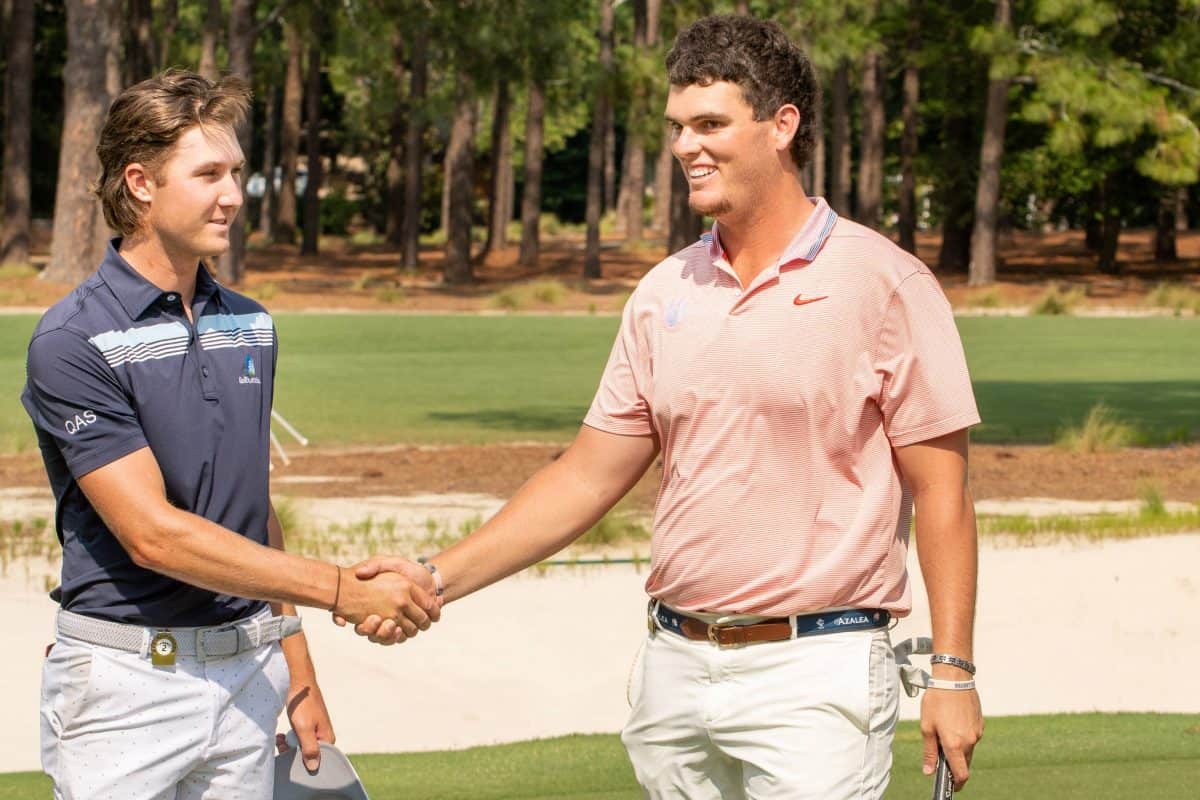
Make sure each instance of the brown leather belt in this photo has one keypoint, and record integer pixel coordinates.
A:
(776, 629)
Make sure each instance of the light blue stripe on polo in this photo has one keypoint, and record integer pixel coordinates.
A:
(147, 335)
(830, 218)
(231, 323)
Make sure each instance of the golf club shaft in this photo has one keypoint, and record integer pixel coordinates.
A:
(943, 780)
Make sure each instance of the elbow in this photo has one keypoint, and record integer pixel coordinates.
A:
(148, 545)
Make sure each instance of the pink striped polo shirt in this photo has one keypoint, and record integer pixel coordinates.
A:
(777, 408)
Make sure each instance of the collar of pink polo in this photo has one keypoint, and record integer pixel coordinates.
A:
(803, 248)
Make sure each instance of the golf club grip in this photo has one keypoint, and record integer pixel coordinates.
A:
(943, 780)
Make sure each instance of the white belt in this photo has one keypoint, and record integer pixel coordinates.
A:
(218, 641)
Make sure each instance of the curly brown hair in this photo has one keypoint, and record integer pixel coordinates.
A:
(145, 122)
(759, 57)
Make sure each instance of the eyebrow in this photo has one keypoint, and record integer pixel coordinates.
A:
(217, 164)
(703, 115)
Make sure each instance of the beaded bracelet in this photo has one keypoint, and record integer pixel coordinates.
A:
(954, 661)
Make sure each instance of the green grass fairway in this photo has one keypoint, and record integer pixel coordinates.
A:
(1065, 757)
(383, 378)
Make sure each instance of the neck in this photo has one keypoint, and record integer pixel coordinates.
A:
(755, 239)
(154, 261)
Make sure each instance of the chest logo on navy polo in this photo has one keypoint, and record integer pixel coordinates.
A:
(249, 373)
(674, 313)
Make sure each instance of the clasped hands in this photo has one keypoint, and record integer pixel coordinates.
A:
(389, 599)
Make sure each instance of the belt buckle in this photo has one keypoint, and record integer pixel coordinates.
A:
(714, 631)
(202, 653)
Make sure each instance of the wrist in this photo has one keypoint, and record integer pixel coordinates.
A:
(949, 672)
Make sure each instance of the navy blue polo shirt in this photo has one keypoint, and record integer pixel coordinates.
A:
(116, 366)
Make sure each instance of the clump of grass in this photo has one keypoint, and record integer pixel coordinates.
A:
(15, 270)
(1153, 505)
(361, 283)
(1056, 302)
(1091, 526)
(989, 298)
(1174, 297)
(511, 299)
(391, 294)
(615, 527)
(548, 291)
(28, 540)
(365, 238)
(264, 291)
(1101, 431)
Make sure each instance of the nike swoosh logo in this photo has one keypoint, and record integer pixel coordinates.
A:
(801, 300)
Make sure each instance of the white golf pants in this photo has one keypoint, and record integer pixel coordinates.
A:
(114, 727)
(806, 719)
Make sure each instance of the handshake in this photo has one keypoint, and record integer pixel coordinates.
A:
(389, 599)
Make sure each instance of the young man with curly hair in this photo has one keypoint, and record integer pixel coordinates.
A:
(803, 381)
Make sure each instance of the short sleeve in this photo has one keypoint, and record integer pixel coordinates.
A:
(926, 388)
(620, 405)
(74, 398)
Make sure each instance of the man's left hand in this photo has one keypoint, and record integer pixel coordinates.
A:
(310, 720)
(955, 719)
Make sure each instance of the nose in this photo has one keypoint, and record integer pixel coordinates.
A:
(685, 143)
(231, 192)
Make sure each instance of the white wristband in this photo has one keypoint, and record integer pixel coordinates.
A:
(953, 686)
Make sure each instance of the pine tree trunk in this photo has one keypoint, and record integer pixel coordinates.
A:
(242, 34)
(208, 40)
(499, 208)
(460, 164)
(1181, 210)
(79, 231)
(816, 185)
(685, 223)
(312, 188)
(610, 159)
(268, 216)
(663, 167)
(394, 226)
(140, 50)
(870, 166)
(987, 197)
(839, 192)
(1110, 233)
(908, 141)
(535, 152)
(1164, 233)
(633, 181)
(18, 93)
(289, 136)
(170, 23)
(601, 119)
(954, 195)
(1093, 226)
(414, 150)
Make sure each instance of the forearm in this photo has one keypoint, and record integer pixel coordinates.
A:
(196, 551)
(552, 509)
(947, 549)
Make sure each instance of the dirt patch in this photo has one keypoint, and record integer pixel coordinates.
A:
(499, 470)
(368, 278)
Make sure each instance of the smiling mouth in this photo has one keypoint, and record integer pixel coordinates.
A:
(699, 173)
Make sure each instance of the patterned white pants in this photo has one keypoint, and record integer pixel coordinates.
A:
(114, 727)
(806, 719)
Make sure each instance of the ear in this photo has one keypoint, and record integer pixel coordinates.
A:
(786, 124)
(138, 182)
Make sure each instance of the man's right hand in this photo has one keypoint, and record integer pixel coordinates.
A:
(405, 596)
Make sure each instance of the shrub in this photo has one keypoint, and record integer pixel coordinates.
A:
(1101, 431)
(549, 292)
(1055, 302)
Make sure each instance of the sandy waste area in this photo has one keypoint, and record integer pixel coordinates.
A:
(1069, 626)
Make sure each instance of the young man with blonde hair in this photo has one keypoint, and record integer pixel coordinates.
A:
(150, 387)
